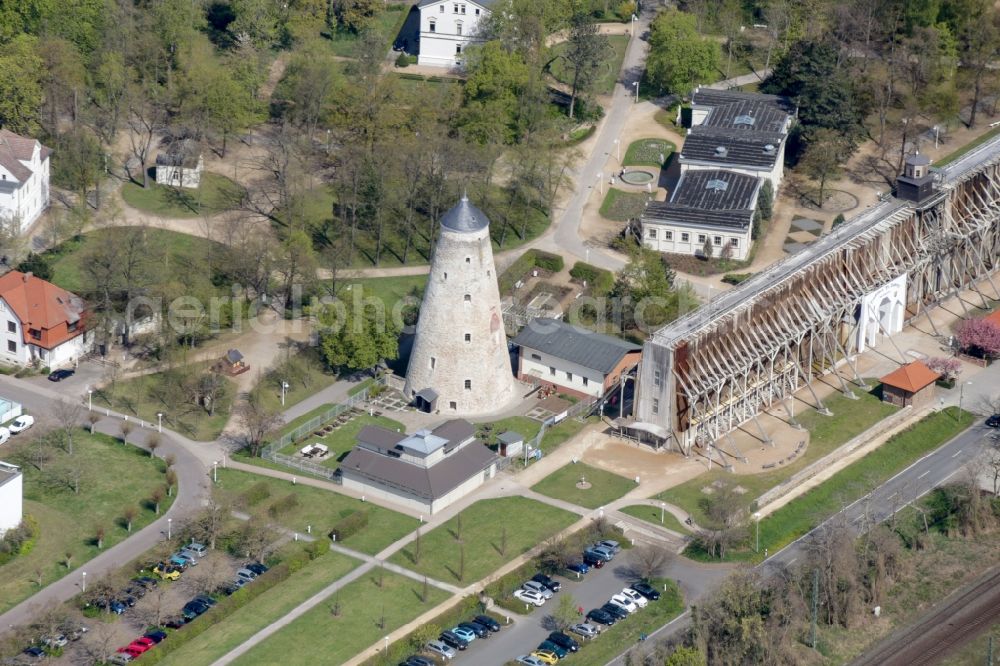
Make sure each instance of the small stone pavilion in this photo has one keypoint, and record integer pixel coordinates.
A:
(910, 385)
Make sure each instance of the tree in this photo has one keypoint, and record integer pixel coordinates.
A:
(948, 368)
(156, 497)
(153, 443)
(67, 416)
(125, 428)
(643, 295)
(707, 249)
(649, 562)
(259, 422)
(37, 265)
(823, 156)
(355, 15)
(356, 337)
(93, 418)
(686, 656)
(566, 613)
(20, 85)
(128, 514)
(146, 118)
(765, 200)
(170, 479)
(497, 78)
(256, 22)
(978, 337)
(423, 634)
(99, 532)
(679, 57)
(584, 54)
(978, 41)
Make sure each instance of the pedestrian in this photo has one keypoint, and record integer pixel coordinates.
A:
(642, 637)
(579, 610)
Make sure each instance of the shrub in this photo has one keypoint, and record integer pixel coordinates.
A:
(349, 526)
(548, 261)
(19, 540)
(411, 77)
(839, 220)
(736, 278)
(283, 505)
(625, 10)
(402, 60)
(255, 494)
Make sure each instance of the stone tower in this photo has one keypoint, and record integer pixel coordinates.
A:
(460, 363)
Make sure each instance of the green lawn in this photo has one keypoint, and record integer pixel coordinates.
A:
(622, 206)
(975, 143)
(605, 486)
(111, 477)
(290, 427)
(554, 436)
(277, 602)
(305, 373)
(414, 84)
(652, 514)
(367, 612)
(826, 433)
(646, 152)
(526, 522)
(215, 195)
(387, 22)
(343, 439)
(147, 395)
(321, 509)
(395, 292)
(605, 83)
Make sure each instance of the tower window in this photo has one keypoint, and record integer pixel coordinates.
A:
(468, 298)
(657, 378)
(656, 406)
(445, 276)
(458, 47)
(585, 381)
(468, 337)
(433, 362)
(552, 371)
(433, 26)
(453, 405)
(569, 376)
(468, 384)
(468, 260)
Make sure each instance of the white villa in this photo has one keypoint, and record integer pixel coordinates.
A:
(446, 28)
(44, 323)
(24, 179)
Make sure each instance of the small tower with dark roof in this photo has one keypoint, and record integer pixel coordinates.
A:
(460, 363)
(917, 181)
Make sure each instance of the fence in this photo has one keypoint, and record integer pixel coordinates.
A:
(583, 407)
(271, 450)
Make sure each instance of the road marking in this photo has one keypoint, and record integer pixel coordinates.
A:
(924, 474)
(792, 561)
(955, 454)
(858, 519)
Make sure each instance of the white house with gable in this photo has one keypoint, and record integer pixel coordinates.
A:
(447, 27)
(24, 179)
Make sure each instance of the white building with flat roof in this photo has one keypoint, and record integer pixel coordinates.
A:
(11, 497)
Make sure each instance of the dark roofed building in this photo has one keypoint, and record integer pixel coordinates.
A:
(725, 148)
(425, 471)
(573, 359)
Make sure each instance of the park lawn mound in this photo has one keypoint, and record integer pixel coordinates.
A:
(652, 515)
(599, 487)
(801, 515)
(111, 478)
(482, 538)
(321, 509)
(648, 152)
(347, 622)
(215, 195)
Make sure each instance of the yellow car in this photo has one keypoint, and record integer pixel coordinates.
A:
(546, 656)
(166, 571)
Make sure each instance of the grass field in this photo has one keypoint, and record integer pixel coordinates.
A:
(646, 152)
(975, 143)
(343, 439)
(215, 195)
(310, 375)
(394, 292)
(652, 514)
(236, 628)
(850, 418)
(605, 83)
(368, 612)
(321, 509)
(112, 477)
(605, 486)
(526, 523)
(387, 22)
(147, 395)
(554, 436)
(621, 206)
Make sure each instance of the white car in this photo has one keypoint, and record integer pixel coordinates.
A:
(639, 600)
(21, 423)
(530, 660)
(4, 435)
(535, 586)
(529, 597)
(624, 602)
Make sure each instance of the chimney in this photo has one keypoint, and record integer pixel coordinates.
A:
(27, 276)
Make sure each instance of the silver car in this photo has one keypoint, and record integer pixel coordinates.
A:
(535, 586)
(585, 629)
(441, 650)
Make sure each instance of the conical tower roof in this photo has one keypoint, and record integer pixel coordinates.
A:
(464, 217)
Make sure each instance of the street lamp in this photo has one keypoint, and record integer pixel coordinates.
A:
(600, 182)
(961, 394)
(284, 387)
(159, 421)
(663, 508)
(386, 644)
(169, 535)
(90, 400)
(618, 150)
(83, 584)
(215, 471)
(636, 84)
(756, 516)
(634, 17)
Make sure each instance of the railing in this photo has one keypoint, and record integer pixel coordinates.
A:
(582, 407)
(271, 450)
(304, 466)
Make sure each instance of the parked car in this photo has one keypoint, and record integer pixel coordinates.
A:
(120, 658)
(147, 582)
(617, 611)
(21, 423)
(479, 630)
(601, 616)
(535, 586)
(993, 421)
(197, 548)
(256, 567)
(547, 581)
(604, 552)
(529, 597)
(636, 598)
(56, 641)
(646, 590)
(131, 651)
(137, 591)
(190, 556)
(4, 435)
(205, 599)
(549, 646)
(488, 622)
(34, 652)
(417, 660)
(564, 641)
(167, 571)
(156, 636)
(117, 607)
(624, 601)
(228, 589)
(530, 660)
(59, 375)
(175, 622)
(179, 560)
(578, 567)
(546, 656)
(144, 643)
(440, 649)
(193, 609)
(466, 635)
(451, 639)
(246, 575)
(129, 601)
(610, 544)
(586, 630)
(592, 559)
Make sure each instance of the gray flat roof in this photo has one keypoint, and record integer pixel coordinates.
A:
(747, 115)
(455, 431)
(741, 148)
(712, 97)
(574, 344)
(710, 197)
(381, 437)
(8, 472)
(426, 482)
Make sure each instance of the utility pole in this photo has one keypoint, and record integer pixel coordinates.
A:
(815, 608)
(989, 647)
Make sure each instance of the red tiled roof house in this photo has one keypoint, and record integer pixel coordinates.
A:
(41, 323)
(912, 384)
(24, 179)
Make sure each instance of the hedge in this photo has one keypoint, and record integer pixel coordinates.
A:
(256, 493)
(736, 278)
(283, 505)
(349, 526)
(548, 261)
(598, 280)
(523, 264)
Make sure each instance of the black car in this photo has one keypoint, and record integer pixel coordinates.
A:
(147, 582)
(256, 567)
(646, 590)
(616, 610)
(479, 630)
(564, 641)
(453, 640)
(129, 600)
(417, 660)
(175, 622)
(601, 617)
(137, 591)
(592, 560)
(487, 622)
(193, 609)
(993, 421)
(548, 582)
(228, 589)
(35, 652)
(156, 636)
(60, 375)
(205, 599)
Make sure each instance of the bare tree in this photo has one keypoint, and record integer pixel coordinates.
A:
(128, 515)
(92, 419)
(156, 497)
(99, 533)
(259, 423)
(67, 416)
(648, 561)
(153, 443)
(125, 428)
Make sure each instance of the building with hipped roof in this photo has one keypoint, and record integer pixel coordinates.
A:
(24, 180)
(426, 471)
(447, 27)
(909, 385)
(45, 324)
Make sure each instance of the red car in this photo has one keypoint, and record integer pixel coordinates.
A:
(133, 652)
(144, 643)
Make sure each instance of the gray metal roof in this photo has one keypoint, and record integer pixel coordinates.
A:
(455, 431)
(747, 115)
(426, 482)
(715, 197)
(380, 437)
(574, 344)
(8, 472)
(510, 437)
(918, 160)
(740, 148)
(464, 217)
(712, 97)
(422, 442)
